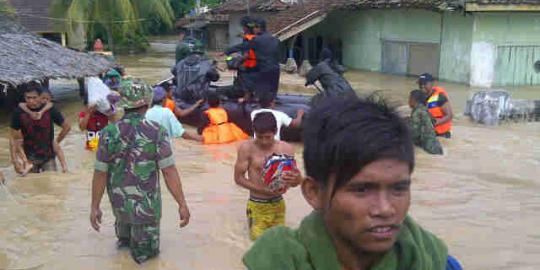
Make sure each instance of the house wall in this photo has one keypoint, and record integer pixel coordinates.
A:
(363, 32)
(218, 36)
(493, 30)
(456, 44)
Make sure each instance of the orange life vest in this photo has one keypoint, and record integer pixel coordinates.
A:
(220, 129)
(436, 110)
(251, 60)
(169, 104)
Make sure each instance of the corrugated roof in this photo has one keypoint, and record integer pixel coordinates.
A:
(254, 5)
(303, 13)
(206, 17)
(25, 57)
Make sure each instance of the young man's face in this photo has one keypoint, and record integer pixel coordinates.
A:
(427, 87)
(32, 99)
(366, 213)
(265, 139)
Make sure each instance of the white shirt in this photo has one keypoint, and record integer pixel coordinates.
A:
(282, 119)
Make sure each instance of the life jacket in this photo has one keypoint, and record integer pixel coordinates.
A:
(251, 60)
(169, 104)
(436, 111)
(220, 129)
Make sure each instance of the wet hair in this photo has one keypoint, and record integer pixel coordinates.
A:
(213, 100)
(46, 91)
(264, 122)
(157, 102)
(343, 134)
(266, 99)
(33, 87)
(418, 96)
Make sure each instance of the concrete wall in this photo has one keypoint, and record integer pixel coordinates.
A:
(218, 36)
(364, 31)
(456, 47)
(491, 30)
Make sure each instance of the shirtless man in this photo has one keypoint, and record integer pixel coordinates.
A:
(265, 208)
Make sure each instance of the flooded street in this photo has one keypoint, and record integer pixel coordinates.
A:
(481, 197)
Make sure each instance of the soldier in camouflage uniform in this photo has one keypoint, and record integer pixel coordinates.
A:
(131, 152)
(423, 132)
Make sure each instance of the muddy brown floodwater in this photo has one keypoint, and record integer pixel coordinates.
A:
(481, 197)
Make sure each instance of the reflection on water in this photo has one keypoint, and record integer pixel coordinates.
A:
(480, 197)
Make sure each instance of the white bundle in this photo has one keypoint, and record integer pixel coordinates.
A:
(97, 95)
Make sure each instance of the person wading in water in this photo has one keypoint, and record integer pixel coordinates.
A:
(38, 135)
(130, 154)
(359, 158)
(438, 105)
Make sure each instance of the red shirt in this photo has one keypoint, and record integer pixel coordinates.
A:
(96, 122)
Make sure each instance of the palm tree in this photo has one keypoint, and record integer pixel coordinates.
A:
(5, 8)
(125, 15)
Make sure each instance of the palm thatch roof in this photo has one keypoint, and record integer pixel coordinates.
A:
(25, 57)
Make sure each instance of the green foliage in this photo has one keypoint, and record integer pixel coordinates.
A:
(180, 9)
(118, 22)
(5, 8)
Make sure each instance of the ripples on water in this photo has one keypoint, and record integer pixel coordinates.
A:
(480, 197)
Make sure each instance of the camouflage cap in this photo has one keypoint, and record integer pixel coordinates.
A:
(135, 93)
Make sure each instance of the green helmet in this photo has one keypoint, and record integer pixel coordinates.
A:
(134, 94)
(196, 47)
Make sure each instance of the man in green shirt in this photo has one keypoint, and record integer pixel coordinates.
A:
(359, 158)
(422, 129)
(131, 153)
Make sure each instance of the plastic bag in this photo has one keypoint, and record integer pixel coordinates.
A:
(488, 107)
(97, 95)
(273, 171)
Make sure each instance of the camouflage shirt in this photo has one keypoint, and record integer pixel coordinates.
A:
(423, 132)
(132, 151)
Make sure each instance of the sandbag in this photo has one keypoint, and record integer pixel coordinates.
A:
(97, 95)
(488, 107)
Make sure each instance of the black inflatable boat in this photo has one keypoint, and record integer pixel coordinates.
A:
(240, 113)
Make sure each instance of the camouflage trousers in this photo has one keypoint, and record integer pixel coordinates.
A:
(142, 239)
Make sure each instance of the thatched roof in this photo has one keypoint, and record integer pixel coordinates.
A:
(25, 57)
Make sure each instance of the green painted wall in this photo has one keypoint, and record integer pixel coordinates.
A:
(493, 30)
(471, 45)
(363, 31)
(455, 64)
